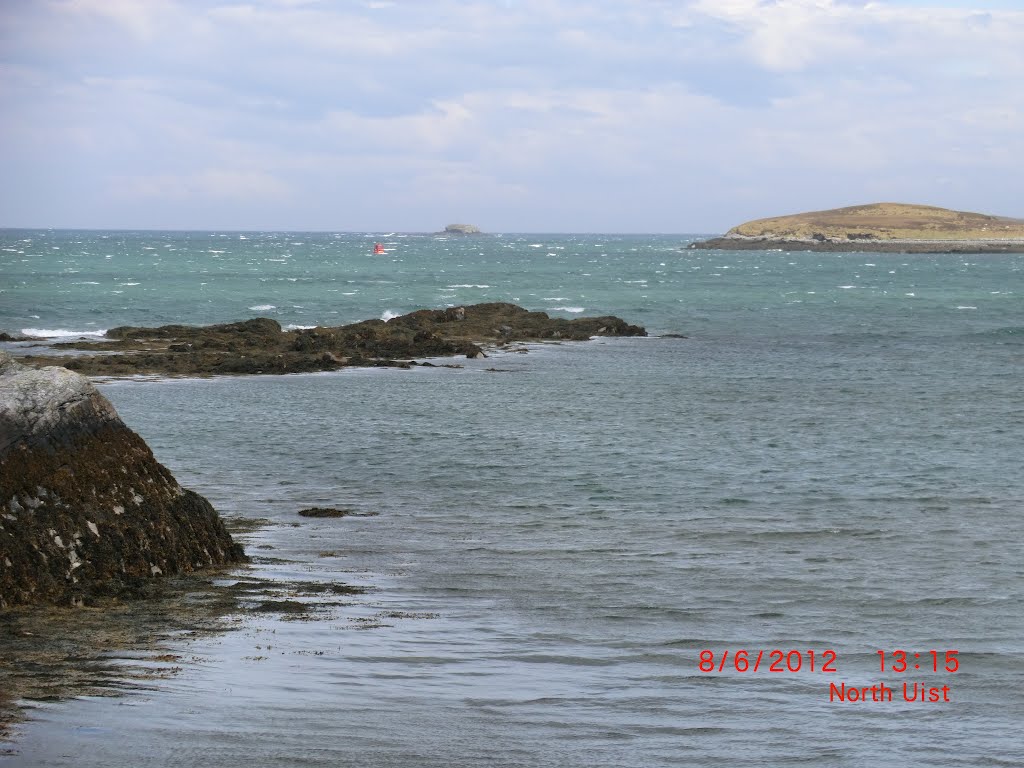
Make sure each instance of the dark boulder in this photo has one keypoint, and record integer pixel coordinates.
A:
(85, 508)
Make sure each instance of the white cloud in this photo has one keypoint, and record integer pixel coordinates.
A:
(313, 29)
(146, 20)
(795, 35)
(211, 185)
(603, 112)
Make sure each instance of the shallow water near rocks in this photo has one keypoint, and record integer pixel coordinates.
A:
(557, 542)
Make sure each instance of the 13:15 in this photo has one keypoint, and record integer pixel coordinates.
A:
(901, 661)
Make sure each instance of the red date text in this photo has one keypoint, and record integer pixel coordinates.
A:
(775, 660)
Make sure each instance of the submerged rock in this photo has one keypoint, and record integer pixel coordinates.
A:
(333, 512)
(85, 508)
(324, 512)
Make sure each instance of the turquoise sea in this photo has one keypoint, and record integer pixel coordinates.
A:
(829, 461)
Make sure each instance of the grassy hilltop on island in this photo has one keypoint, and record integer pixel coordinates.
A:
(878, 226)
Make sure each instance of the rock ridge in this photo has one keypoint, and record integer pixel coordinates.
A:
(260, 346)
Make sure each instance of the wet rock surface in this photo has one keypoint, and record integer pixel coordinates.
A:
(324, 512)
(86, 511)
(260, 346)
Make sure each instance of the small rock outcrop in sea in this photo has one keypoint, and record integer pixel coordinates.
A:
(461, 229)
(324, 512)
(877, 228)
(85, 509)
(260, 346)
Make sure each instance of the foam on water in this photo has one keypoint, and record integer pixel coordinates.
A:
(60, 333)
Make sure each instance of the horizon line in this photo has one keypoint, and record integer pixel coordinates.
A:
(365, 232)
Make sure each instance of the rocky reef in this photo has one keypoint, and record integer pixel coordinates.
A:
(260, 346)
(86, 511)
(877, 228)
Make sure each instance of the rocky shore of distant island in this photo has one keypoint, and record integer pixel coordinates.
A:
(876, 228)
(261, 346)
(858, 245)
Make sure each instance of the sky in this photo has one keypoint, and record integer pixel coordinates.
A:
(646, 116)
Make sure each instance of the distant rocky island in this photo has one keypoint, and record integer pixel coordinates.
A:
(261, 346)
(877, 228)
(462, 229)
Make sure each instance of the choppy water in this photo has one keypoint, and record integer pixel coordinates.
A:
(830, 461)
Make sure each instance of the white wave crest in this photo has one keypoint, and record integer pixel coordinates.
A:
(574, 310)
(389, 315)
(294, 327)
(262, 307)
(60, 333)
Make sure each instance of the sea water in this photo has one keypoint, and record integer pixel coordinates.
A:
(830, 461)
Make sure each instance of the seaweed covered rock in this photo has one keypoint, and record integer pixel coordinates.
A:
(85, 508)
(380, 340)
(501, 321)
(246, 332)
(260, 346)
(324, 512)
